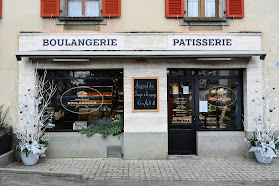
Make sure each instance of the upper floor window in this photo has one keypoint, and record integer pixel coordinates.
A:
(201, 8)
(84, 8)
(81, 10)
(205, 10)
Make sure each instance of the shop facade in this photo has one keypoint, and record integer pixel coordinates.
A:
(179, 94)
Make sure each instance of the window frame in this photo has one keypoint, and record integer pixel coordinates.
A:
(219, 20)
(193, 75)
(65, 19)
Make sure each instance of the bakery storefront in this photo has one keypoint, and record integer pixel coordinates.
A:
(179, 94)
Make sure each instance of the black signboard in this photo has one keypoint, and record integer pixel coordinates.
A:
(145, 94)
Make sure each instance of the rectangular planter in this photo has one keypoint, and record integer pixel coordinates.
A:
(6, 143)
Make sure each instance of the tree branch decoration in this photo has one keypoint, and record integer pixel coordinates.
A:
(4, 129)
(34, 116)
(265, 137)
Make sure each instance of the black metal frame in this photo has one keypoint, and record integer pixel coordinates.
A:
(194, 79)
(182, 135)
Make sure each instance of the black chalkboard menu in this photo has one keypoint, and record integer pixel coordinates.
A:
(145, 94)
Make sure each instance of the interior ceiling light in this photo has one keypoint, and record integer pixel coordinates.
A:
(214, 59)
(69, 60)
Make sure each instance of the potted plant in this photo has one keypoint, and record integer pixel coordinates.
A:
(5, 131)
(31, 146)
(264, 140)
(31, 141)
(265, 145)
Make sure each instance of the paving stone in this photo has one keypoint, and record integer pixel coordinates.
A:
(187, 169)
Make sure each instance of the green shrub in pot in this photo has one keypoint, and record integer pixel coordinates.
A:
(5, 131)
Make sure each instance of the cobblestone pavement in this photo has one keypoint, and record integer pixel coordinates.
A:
(194, 169)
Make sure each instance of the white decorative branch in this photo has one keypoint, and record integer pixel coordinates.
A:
(33, 112)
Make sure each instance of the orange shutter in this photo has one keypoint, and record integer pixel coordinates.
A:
(111, 8)
(0, 8)
(174, 8)
(235, 8)
(50, 8)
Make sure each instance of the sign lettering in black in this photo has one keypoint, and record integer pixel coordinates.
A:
(145, 94)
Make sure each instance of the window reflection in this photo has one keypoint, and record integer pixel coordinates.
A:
(180, 102)
(218, 72)
(81, 74)
(85, 96)
(221, 97)
(181, 72)
(217, 99)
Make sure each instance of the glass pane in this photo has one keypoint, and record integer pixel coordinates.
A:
(103, 73)
(180, 105)
(220, 98)
(93, 74)
(92, 8)
(210, 7)
(208, 72)
(74, 9)
(228, 72)
(193, 8)
(81, 74)
(85, 104)
(181, 72)
(218, 72)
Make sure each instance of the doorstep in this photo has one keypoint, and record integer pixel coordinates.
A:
(181, 157)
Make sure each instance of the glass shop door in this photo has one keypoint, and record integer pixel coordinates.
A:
(181, 127)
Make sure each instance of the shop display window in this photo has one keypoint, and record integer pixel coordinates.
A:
(85, 97)
(220, 96)
(205, 99)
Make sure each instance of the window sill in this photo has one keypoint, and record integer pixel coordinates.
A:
(80, 18)
(187, 19)
(81, 21)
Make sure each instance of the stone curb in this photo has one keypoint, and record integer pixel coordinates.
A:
(44, 173)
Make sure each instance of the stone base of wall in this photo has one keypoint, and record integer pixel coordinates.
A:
(223, 144)
(7, 158)
(210, 144)
(76, 145)
(153, 145)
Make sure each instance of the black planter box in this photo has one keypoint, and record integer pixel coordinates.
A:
(5, 143)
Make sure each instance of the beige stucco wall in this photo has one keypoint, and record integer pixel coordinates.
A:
(137, 16)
